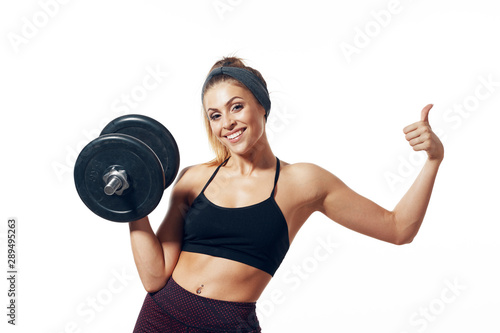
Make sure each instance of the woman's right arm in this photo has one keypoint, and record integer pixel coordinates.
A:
(156, 255)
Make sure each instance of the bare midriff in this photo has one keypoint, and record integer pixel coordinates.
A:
(219, 278)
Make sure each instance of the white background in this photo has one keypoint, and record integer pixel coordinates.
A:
(64, 70)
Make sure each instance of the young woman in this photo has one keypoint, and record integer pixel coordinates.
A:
(231, 221)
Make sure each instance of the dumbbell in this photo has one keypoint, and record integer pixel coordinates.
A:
(122, 174)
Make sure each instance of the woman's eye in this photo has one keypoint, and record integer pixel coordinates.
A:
(214, 116)
(237, 107)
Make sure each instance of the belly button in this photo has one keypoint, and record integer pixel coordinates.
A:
(198, 291)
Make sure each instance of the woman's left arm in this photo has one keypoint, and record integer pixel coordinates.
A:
(343, 205)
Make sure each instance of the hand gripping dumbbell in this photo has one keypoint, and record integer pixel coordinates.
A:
(122, 174)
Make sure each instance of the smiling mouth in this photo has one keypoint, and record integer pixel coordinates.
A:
(235, 135)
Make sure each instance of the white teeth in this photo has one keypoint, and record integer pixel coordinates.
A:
(234, 135)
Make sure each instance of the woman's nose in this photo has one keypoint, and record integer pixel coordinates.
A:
(228, 122)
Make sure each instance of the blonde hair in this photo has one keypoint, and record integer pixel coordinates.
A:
(221, 151)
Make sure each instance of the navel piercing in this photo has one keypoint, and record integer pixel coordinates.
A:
(198, 291)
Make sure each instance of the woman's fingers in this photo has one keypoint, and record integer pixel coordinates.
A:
(424, 119)
(421, 137)
(414, 133)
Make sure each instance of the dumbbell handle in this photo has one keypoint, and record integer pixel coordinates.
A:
(116, 182)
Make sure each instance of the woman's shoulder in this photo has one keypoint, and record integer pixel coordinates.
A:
(195, 173)
(301, 169)
(309, 177)
(191, 179)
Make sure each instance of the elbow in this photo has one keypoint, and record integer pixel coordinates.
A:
(151, 289)
(154, 282)
(155, 285)
(402, 234)
(403, 241)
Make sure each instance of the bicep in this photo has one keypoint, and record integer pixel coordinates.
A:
(350, 209)
(170, 232)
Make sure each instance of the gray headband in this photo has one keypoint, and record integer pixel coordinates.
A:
(249, 79)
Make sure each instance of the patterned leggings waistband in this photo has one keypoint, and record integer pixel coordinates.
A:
(206, 313)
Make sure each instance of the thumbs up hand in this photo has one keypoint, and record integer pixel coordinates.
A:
(421, 137)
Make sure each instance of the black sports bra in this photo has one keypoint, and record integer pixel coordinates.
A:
(256, 235)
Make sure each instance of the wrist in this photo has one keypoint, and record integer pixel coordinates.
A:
(435, 161)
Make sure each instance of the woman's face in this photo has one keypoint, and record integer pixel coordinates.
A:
(236, 118)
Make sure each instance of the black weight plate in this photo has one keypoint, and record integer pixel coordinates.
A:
(155, 135)
(144, 171)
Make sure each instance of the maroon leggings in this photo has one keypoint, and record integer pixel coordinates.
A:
(174, 309)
